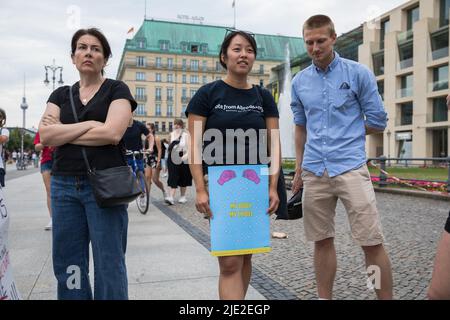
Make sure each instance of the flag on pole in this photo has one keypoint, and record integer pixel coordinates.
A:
(131, 30)
(234, 3)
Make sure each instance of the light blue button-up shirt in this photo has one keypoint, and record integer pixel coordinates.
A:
(335, 105)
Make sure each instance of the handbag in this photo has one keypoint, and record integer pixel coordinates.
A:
(113, 186)
(294, 206)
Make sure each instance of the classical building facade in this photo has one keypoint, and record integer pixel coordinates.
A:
(165, 63)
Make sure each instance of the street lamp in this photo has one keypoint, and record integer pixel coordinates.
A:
(388, 133)
(53, 68)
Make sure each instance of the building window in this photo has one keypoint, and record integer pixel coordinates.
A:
(170, 63)
(163, 125)
(169, 77)
(158, 77)
(170, 94)
(406, 114)
(440, 111)
(439, 44)
(194, 48)
(405, 56)
(140, 94)
(140, 110)
(140, 76)
(380, 85)
(184, 64)
(194, 65)
(183, 78)
(193, 92)
(412, 15)
(141, 43)
(204, 48)
(157, 126)
(170, 110)
(158, 110)
(404, 139)
(170, 126)
(406, 89)
(194, 79)
(218, 66)
(218, 78)
(385, 24)
(158, 62)
(261, 69)
(378, 63)
(440, 78)
(443, 12)
(164, 45)
(183, 92)
(261, 83)
(205, 65)
(204, 80)
(140, 61)
(158, 94)
(184, 47)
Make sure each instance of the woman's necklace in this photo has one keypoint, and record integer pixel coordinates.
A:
(89, 95)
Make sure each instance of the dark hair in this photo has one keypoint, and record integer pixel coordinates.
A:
(179, 122)
(226, 43)
(95, 33)
(319, 21)
(2, 117)
(152, 127)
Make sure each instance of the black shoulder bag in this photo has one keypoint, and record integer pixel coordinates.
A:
(113, 186)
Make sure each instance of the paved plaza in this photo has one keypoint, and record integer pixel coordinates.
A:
(168, 258)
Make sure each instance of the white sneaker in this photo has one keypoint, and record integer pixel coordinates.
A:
(169, 201)
(49, 226)
(182, 200)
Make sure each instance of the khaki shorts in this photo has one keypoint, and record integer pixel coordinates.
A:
(354, 188)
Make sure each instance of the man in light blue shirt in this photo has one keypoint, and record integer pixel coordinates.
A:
(336, 103)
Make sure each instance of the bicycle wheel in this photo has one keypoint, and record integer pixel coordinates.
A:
(144, 199)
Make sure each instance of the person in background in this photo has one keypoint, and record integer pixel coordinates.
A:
(4, 137)
(46, 171)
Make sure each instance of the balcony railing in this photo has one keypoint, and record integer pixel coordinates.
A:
(185, 99)
(141, 98)
(404, 92)
(403, 120)
(407, 63)
(158, 98)
(405, 36)
(438, 54)
(438, 85)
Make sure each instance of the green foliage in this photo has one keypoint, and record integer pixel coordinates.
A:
(14, 142)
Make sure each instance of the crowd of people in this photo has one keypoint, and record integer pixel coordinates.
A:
(335, 103)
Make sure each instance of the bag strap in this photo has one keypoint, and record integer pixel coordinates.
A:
(83, 149)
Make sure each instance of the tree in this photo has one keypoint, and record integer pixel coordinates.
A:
(14, 141)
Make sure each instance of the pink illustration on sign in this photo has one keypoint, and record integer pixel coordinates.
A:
(252, 176)
(226, 176)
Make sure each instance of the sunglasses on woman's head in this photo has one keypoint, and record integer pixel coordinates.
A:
(231, 30)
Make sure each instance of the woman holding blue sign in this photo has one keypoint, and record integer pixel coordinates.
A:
(243, 120)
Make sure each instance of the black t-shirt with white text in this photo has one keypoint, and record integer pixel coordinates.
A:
(226, 107)
(68, 158)
(132, 138)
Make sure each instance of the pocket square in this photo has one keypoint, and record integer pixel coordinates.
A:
(344, 85)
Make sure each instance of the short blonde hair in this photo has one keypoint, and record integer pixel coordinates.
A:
(319, 21)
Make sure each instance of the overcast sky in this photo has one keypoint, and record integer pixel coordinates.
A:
(33, 33)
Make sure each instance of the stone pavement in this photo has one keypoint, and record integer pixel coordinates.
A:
(164, 262)
(412, 226)
(167, 253)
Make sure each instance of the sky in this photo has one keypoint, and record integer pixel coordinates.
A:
(33, 33)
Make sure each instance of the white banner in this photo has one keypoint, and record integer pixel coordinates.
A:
(8, 289)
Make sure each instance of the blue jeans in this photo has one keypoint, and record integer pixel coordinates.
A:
(78, 221)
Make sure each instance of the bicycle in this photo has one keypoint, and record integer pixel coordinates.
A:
(143, 200)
